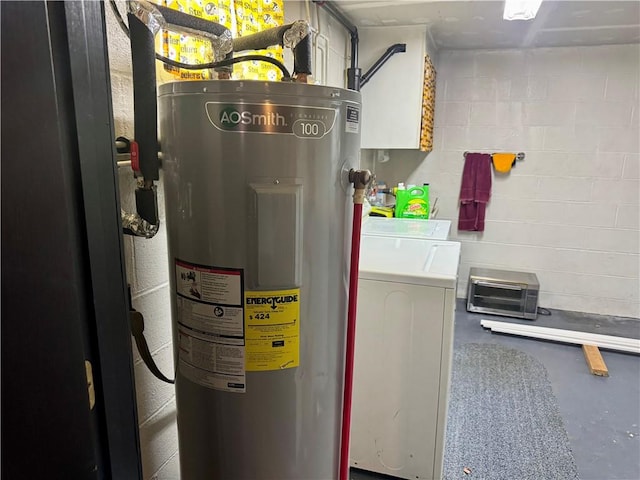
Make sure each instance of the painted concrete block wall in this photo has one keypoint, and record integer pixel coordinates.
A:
(147, 260)
(570, 211)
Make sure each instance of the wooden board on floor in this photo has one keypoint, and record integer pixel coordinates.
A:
(594, 360)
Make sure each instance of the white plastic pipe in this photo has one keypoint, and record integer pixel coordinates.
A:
(630, 345)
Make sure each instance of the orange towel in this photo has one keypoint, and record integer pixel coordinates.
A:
(503, 162)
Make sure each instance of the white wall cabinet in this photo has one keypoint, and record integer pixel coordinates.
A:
(392, 99)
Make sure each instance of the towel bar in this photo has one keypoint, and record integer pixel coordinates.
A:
(519, 155)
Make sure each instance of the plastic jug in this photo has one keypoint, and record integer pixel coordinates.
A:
(413, 202)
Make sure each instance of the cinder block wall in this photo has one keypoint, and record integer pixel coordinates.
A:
(147, 260)
(570, 211)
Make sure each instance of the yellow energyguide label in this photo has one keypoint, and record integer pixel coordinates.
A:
(272, 329)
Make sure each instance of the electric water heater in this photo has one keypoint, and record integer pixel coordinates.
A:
(258, 212)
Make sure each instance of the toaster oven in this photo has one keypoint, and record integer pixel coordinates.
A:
(502, 292)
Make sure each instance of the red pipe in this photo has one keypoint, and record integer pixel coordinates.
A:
(351, 339)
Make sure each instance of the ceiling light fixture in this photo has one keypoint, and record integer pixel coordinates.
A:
(521, 9)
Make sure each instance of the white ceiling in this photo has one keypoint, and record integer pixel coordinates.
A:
(460, 24)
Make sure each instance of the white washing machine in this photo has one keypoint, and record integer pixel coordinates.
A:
(406, 227)
(404, 341)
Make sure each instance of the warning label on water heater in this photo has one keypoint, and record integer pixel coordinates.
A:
(272, 326)
(211, 333)
(352, 123)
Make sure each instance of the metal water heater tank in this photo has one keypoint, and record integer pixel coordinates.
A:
(258, 214)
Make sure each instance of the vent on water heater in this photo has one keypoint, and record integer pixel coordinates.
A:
(258, 215)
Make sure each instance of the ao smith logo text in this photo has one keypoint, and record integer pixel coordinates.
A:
(273, 301)
(230, 118)
(272, 119)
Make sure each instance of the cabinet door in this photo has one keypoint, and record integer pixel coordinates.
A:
(397, 378)
(392, 99)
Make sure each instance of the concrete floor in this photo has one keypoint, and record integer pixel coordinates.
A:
(601, 414)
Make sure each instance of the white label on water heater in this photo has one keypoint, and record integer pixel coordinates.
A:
(209, 284)
(211, 364)
(352, 124)
(211, 332)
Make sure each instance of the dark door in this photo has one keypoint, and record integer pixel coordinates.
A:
(64, 309)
